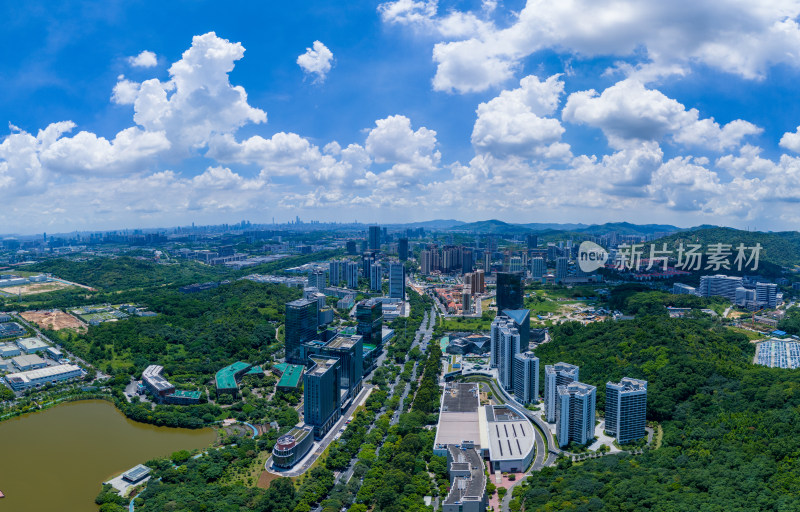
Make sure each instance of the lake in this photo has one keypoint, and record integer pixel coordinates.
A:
(56, 460)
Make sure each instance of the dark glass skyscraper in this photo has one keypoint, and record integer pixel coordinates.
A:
(402, 249)
(301, 326)
(369, 315)
(374, 238)
(509, 291)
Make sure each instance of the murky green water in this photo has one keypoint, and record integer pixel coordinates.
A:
(55, 460)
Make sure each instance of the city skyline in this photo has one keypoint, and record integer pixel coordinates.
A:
(399, 111)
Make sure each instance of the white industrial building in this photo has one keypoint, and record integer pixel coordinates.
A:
(25, 380)
(32, 345)
(500, 433)
(28, 362)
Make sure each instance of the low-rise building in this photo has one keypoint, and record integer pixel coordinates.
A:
(32, 345)
(52, 374)
(28, 362)
(292, 447)
(227, 379)
(467, 480)
(9, 350)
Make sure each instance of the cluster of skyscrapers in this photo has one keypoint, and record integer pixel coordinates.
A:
(570, 404)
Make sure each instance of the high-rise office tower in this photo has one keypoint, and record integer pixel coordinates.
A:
(533, 241)
(487, 262)
(369, 315)
(316, 279)
(349, 350)
(515, 264)
(402, 249)
(350, 247)
(526, 377)
(351, 274)
(397, 281)
(538, 268)
(556, 375)
(336, 272)
(374, 238)
(375, 275)
(300, 327)
(626, 409)
(562, 265)
(509, 291)
(321, 396)
(466, 261)
(575, 413)
(505, 344)
(767, 294)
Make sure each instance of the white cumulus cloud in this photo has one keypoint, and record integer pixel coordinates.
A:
(146, 59)
(628, 112)
(317, 61)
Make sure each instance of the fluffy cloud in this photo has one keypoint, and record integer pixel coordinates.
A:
(791, 140)
(394, 141)
(125, 91)
(146, 59)
(512, 124)
(665, 37)
(316, 61)
(628, 112)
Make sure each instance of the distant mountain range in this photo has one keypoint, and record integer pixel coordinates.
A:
(498, 227)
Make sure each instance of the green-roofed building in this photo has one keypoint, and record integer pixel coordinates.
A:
(181, 397)
(291, 375)
(227, 379)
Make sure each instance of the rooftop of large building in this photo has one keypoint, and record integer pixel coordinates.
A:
(321, 365)
(299, 303)
(291, 374)
(32, 343)
(226, 377)
(28, 360)
(344, 342)
(560, 367)
(152, 375)
(526, 355)
(577, 388)
(511, 435)
(629, 384)
(470, 488)
(42, 373)
(458, 417)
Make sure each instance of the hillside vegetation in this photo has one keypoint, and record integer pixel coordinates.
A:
(731, 429)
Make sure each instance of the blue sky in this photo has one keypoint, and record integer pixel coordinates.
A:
(141, 114)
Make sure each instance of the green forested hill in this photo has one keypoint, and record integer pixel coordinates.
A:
(780, 249)
(194, 335)
(110, 274)
(731, 429)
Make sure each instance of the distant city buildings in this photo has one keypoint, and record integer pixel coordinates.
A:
(375, 277)
(626, 408)
(374, 238)
(562, 268)
(402, 249)
(397, 281)
(538, 268)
